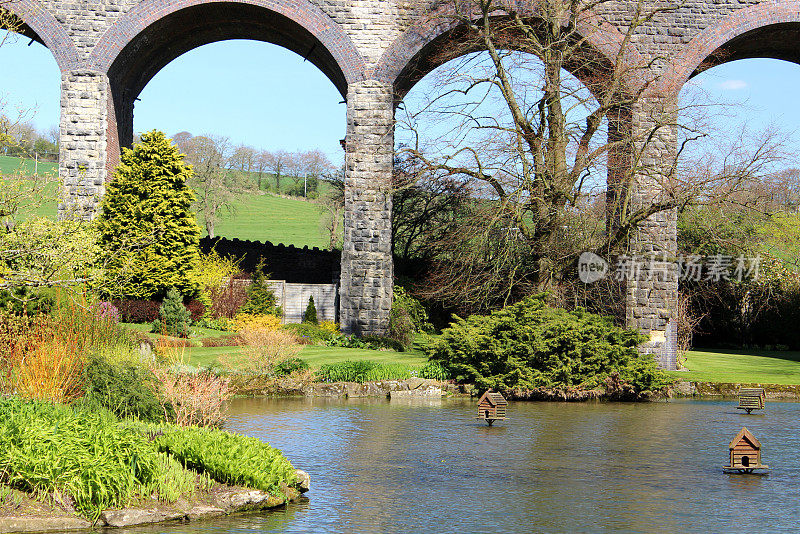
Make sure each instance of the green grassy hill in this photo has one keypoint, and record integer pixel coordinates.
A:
(265, 217)
(26, 167)
(257, 217)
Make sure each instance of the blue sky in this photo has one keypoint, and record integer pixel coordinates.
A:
(265, 96)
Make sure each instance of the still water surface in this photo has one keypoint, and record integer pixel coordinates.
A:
(380, 466)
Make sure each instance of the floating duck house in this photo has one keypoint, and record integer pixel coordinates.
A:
(745, 452)
(751, 399)
(491, 407)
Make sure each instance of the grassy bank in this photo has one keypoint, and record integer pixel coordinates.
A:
(742, 366)
(26, 167)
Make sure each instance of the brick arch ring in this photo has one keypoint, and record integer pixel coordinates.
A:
(53, 35)
(400, 55)
(682, 67)
(302, 12)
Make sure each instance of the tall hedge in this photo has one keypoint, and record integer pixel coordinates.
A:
(148, 233)
(531, 345)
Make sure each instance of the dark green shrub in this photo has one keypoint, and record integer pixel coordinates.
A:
(173, 317)
(401, 327)
(26, 301)
(125, 390)
(530, 345)
(310, 316)
(261, 299)
(402, 299)
(289, 366)
(313, 333)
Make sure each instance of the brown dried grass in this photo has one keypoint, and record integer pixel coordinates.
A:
(197, 399)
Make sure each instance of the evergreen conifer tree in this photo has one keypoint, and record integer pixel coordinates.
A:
(261, 300)
(173, 317)
(148, 233)
(311, 312)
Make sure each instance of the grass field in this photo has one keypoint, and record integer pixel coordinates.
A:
(265, 217)
(742, 366)
(26, 167)
(257, 217)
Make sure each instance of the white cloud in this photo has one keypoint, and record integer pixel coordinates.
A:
(732, 85)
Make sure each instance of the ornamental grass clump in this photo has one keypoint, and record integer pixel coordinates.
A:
(531, 345)
(363, 371)
(229, 458)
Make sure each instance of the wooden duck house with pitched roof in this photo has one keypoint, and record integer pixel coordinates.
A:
(745, 452)
(491, 407)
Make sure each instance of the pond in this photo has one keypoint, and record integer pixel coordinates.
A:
(429, 466)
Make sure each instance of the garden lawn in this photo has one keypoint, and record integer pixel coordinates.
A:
(742, 366)
(314, 355)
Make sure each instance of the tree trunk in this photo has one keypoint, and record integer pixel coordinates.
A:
(210, 228)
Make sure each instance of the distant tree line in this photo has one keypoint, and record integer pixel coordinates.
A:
(22, 139)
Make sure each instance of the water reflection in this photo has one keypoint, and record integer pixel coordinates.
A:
(380, 466)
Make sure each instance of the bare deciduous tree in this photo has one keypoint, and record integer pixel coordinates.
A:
(534, 145)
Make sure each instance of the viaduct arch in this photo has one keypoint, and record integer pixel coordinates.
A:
(373, 51)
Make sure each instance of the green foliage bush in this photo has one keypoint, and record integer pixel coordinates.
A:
(310, 316)
(148, 234)
(173, 317)
(406, 317)
(312, 332)
(261, 300)
(289, 366)
(434, 371)
(228, 458)
(402, 299)
(126, 390)
(530, 345)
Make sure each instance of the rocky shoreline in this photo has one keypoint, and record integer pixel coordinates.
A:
(412, 387)
(36, 516)
(687, 389)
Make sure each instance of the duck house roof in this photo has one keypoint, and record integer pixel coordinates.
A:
(747, 435)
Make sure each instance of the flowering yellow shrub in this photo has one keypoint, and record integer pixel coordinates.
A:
(248, 321)
(330, 327)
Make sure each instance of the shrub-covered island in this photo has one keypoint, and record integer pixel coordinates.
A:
(531, 350)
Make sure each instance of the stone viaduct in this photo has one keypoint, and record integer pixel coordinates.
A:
(373, 51)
